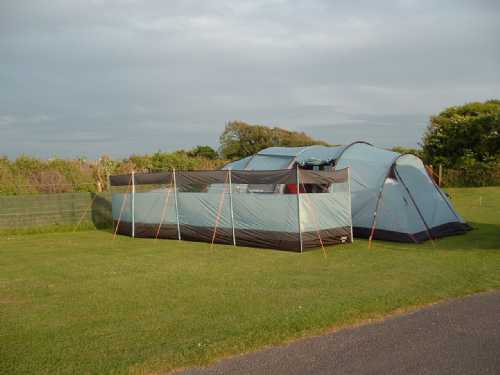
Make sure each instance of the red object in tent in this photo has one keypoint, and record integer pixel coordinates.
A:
(292, 188)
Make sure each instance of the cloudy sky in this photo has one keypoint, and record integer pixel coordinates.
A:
(120, 77)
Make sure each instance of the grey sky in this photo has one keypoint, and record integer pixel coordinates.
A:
(121, 77)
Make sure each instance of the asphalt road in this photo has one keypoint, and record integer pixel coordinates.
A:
(455, 337)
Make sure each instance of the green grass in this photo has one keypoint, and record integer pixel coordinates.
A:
(52, 228)
(82, 303)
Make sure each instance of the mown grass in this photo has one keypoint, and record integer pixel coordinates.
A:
(82, 303)
(49, 229)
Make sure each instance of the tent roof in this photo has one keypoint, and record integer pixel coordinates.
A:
(306, 155)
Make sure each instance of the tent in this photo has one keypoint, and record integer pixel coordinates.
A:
(290, 209)
(393, 197)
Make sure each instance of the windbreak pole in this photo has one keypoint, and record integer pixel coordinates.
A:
(164, 210)
(231, 205)
(350, 199)
(176, 206)
(85, 213)
(125, 196)
(298, 207)
(133, 204)
(219, 212)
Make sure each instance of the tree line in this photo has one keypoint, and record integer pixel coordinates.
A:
(27, 175)
(464, 139)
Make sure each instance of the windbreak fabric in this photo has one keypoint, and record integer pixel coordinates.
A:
(198, 181)
(207, 210)
(323, 177)
(141, 179)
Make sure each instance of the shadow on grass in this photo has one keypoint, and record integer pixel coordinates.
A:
(483, 236)
(101, 214)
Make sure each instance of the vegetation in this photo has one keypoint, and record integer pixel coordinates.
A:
(466, 139)
(82, 303)
(206, 152)
(464, 135)
(240, 139)
(407, 150)
(26, 174)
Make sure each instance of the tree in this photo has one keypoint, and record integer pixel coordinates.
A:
(206, 152)
(407, 150)
(461, 136)
(240, 139)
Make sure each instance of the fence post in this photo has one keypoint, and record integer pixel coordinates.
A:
(231, 205)
(133, 204)
(176, 206)
(298, 207)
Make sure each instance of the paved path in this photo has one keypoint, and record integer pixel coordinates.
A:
(456, 337)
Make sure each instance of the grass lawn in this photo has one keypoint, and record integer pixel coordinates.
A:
(82, 303)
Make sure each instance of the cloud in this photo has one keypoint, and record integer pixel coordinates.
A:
(146, 75)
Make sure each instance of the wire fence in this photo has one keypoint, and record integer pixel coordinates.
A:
(466, 177)
(28, 211)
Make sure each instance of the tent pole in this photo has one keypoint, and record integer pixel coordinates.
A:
(219, 212)
(298, 207)
(416, 207)
(374, 222)
(133, 204)
(231, 205)
(164, 210)
(125, 197)
(176, 206)
(350, 199)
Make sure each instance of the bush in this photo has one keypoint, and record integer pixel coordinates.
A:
(479, 174)
(240, 139)
(463, 133)
(28, 175)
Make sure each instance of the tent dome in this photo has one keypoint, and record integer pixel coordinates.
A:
(393, 197)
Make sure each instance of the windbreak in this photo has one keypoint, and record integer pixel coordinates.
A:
(224, 207)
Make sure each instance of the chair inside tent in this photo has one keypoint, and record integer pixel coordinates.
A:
(393, 197)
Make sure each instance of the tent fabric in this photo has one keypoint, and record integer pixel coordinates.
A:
(285, 157)
(305, 155)
(409, 206)
(205, 206)
(191, 180)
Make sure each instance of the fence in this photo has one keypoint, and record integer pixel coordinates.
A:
(40, 210)
(466, 177)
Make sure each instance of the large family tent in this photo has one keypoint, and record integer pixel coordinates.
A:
(246, 208)
(393, 197)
